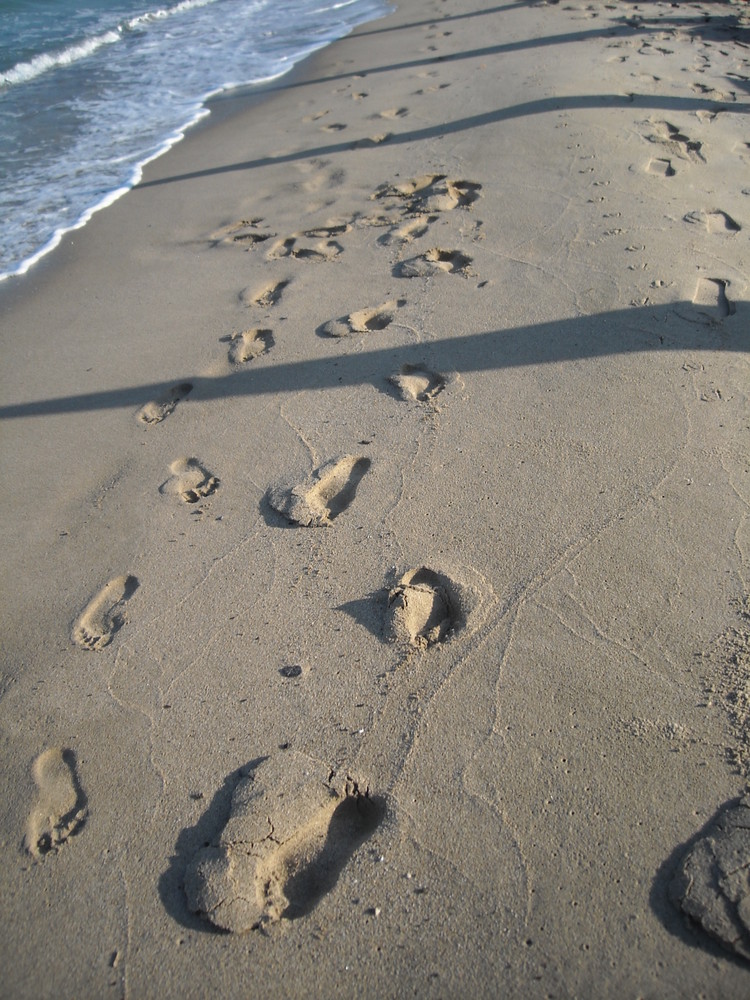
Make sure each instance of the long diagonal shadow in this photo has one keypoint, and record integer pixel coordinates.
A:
(678, 327)
(543, 105)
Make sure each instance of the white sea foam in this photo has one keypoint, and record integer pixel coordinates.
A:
(78, 124)
(25, 71)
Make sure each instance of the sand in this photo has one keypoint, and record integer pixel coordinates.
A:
(375, 531)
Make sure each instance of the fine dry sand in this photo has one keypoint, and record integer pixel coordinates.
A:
(376, 531)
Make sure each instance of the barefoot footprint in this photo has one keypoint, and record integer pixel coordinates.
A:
(156, 410)
(418, 383)
(103, 615)
(60, 808)
(422, 609)
(289, 836)
(363, 321)
(189, 480)
(331, 492)
(711, 299)
(434, 261)
(248, 345)
(265, 297)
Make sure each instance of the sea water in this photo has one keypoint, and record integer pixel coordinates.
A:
(90, 92)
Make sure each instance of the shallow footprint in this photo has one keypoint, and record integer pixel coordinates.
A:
(417, 383)
(60, 808)
(322, 252)
(422, 609)
(363, 321)
(711, 298)
(189, 480)
(411, 230)
(432, 193)
(103, 616)
(435, 261)
(248, 345)
(289, 835)
(711, 885)
(158, 409)
(660, 167)
(332, 491)
(265, 297)
(715, 221)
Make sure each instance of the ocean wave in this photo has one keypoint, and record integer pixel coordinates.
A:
(24, 71)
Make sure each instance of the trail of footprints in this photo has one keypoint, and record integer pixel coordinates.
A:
(292, 824)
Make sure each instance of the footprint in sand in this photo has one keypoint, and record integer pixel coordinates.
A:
(103, 615)
(265, 297)
(714, 221)
(712, 883)
(322, 252)
(677, 142)
(391, 113)
(362, 321)
(288, 838)
(320, 500)
(333, 127)
(711, 298)
(60, 808)
(418, 383)
(372, 140)
(244, 233)
(660, 167)
(435, 261)
(413, 229)
(189, 480)
(329, 230)
(432, 193)
(158, 409)
(422, 608)
(250, 344)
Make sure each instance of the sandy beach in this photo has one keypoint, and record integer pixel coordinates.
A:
(376, 608)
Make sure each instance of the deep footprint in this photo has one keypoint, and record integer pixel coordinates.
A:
(60, 808)
(417, 383)
(435, 261)
(332, 491)
(158, 409)
(248, 345)
(422, 609)
(103, 615)
(288, 838)
(244, 233)
(189, 481)
(363, 321)
(712, 883)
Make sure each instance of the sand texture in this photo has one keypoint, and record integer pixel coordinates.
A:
(376, 532)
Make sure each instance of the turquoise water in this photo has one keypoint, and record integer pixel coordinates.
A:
(91, 92)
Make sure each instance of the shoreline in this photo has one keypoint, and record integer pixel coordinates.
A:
(84, 205)
(378, 478)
